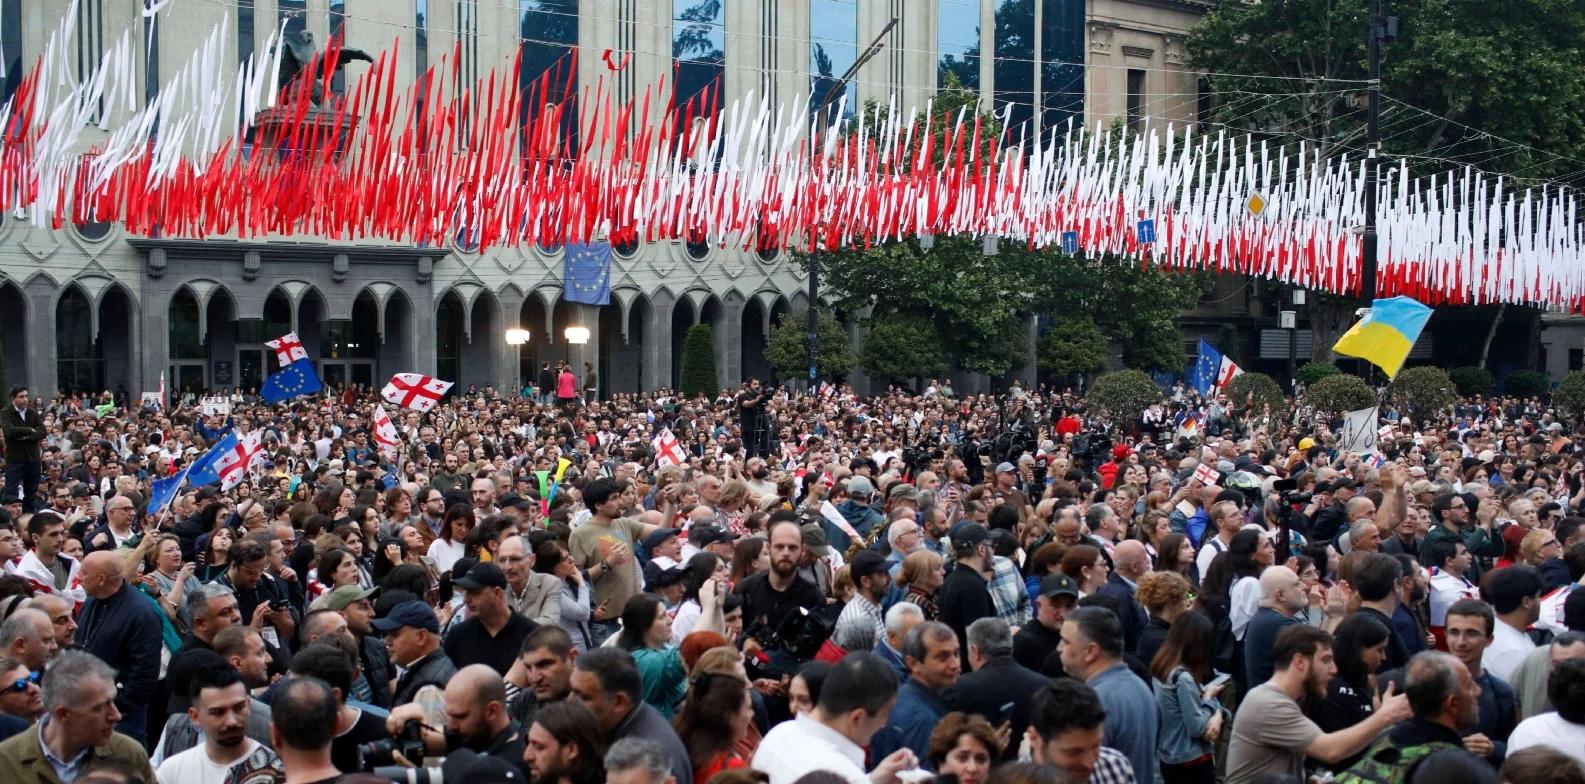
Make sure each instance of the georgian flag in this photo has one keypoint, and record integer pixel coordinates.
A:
(415, 390)
(1207, 475)
(667, 451)
(288, 348)
(233, 465)
(1228, 371)
(385, 432)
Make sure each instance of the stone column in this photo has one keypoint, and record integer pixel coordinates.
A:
(41, 326)
(657, 340)
(509, 364)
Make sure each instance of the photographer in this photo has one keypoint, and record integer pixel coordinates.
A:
(476, 719)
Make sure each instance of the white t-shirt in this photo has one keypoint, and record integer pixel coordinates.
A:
(1549, 729)
(194, 766)
(445, 553)
(1507, 649)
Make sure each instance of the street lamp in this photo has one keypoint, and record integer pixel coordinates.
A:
(516, 337)
(577, 335)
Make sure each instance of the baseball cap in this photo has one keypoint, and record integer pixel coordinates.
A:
(1058, 584)
(413, 613)
(475, 768)
(904, 491)
(656, 576)
(81, 491)
(861, 486)
(657, 538)
(1306, 443)
(341, 596)
(1005, 468)
(969, 536)
(814, 539)
(702, 535)
(483, 575)
(866, 563)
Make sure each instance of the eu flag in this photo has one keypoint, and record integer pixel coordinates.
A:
(1203, 375)
(586, 273)
(202, 471)
(163, 491)
(295, 379)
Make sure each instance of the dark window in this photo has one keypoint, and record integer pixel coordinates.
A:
(1203, 102)
(448, 337)
(80, 359)
(420, 37)
(958, 43)
(1576, 358)
(1136, 98)
(10, 46)
(698, 58)
(1061, 64)
(295, 14)
(549, 78)
(245, 19)
(1015, 63)
(183, 327)
(833, 48)
(338, 33)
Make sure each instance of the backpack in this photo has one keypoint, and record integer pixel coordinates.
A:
(1385, 763)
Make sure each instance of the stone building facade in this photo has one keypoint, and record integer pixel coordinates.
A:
(89, 307)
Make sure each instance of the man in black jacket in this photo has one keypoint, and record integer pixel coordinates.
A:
(965, 598)
(24, 437)
(123, 630)
(999, 687)
(1035, 645)
(412, 634)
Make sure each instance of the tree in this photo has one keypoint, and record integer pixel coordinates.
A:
(901, 348)
(1311, 372)
(1121, 396)
(1266, 391)
(1227, 342)
(1471, 381)
(698, 362)
(787, 349)
(1569, 398)
(1526, 383)
(1423, 390)
(1340, 393)
(1071, 346)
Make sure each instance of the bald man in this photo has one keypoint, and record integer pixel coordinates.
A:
(28, 637)
(476, 718)
(62, 615)
(1282, 597)
(1130, 561)
(123, 630)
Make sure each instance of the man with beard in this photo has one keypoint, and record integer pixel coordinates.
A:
(565, 745)
(1270, 732)
(770, 597)
(953, 491)
(221, 707)
(759, 478)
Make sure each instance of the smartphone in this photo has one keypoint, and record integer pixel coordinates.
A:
(1220, 679)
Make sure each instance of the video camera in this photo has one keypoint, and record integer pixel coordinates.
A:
(378, 757)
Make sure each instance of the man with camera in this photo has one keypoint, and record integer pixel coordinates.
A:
(476, 719)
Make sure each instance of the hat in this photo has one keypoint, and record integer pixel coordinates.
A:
(482, 575)
(702, 535)
(1486, 456)
(1058, 584)
(866, 563)
(1306, 443)
(861, 487)
(969, 537)
(814, 539)
(903, 490)
(411, 613)
(1005, 468)
(1574, 611)
(341, 596)
(1121, 451)
(207, 492)
(658, 538)
(1225, 466)
(657, 576)
(1554, 427)
(81, 491)
(475, 768)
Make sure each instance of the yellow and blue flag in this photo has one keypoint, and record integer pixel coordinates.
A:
(1385, 337)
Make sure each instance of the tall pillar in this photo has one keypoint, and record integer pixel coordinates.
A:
(509, 364)
(41, 356)
(657, 342)
(729, 342)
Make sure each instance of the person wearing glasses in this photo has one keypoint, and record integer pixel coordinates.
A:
(118, 530)
(21, 702)
(79, 730)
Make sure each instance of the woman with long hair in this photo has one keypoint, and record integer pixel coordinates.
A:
(1359, 646)
(1085, 565)
(803, 691)
(1176, 554)
(964, 745)
(337, 567)
(454, 528)
(214, 554)
(352, 540)
(750, 556)
(646, 633)
(1165, 596)
(733, 505)
(576, 612)
(701, 568)
(1190, 717)
(922, 574)
(717, 713)
(1153, 528)
(1249, 554)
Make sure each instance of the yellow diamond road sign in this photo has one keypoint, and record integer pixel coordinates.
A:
(1256, 204)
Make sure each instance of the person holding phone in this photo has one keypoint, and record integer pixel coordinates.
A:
(1186, 698)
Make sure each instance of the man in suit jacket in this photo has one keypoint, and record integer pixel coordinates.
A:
(1132, 562)
(999, 687)
(24, 436)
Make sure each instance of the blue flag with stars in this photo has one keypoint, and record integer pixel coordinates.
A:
(1202, 376)
(163, 491)
(202, 471)
(295, 379)
(586, 273)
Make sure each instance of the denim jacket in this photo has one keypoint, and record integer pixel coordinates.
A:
(1184, 717)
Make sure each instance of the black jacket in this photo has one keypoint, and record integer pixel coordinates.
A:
(124, 631)
(1133, 615)
(999, 691)
(24, 434)
(1033, 643)
(377, 670)
(433, 670)
(963, 599)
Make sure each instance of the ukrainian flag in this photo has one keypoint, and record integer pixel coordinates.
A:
(1385, 337)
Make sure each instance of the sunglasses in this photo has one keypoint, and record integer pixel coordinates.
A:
(21, 684)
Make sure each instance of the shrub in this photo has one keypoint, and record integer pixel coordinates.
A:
(1266, 391)
(1569, 397)
(901, 348)
(787, 349)
(1311, 372)
(698, 362)
(1423, 390)
(1071, 345)
(1120, 397)
(1526, 383)
(1471, 381)
(1342, 392)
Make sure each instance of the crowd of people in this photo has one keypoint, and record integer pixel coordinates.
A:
(791, 588)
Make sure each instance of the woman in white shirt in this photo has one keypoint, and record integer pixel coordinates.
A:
(448, 546)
